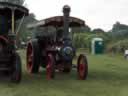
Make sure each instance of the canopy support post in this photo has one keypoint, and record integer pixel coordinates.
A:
(18, 29)
(13, 21)
(13, 29)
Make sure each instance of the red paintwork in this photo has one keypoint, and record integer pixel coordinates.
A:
(49, 66)
(4, 39)
(29, 58)
(81, 70)
(81, 67)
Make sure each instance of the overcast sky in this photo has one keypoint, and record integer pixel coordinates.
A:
(96, 13)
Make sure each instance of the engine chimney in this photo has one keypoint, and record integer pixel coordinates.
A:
(66, 12)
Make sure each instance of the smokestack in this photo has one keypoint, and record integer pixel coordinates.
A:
(66, 12)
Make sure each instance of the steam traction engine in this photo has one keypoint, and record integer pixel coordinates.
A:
(55, 51)
(10, 63)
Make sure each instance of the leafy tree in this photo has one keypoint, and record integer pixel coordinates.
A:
(119, 31)
(118, 27)
(81, 29)
(118, 47)
(83, 40)
(98, 30)
(24, 32)
(119, 34)
(86, 29)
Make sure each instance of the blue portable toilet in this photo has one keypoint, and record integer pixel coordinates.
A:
(97, 46)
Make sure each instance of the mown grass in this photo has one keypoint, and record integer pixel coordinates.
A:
(108, 76)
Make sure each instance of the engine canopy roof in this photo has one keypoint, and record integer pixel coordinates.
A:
(6, 10)
(57, 21)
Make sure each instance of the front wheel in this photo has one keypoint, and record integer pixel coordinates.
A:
(33, 61)
(82, 67)
(50, 68)
(17, 70)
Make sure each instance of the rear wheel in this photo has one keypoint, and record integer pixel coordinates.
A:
(33, 57)
(17, 71)
(50, 68)
(82, 67)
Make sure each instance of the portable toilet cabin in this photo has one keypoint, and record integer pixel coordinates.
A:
(97, 46)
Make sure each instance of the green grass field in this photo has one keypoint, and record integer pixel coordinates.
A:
(108, 76)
